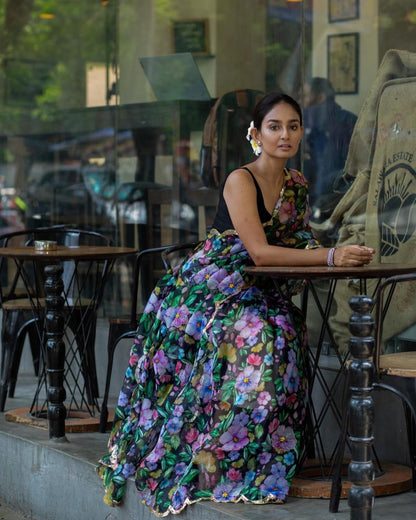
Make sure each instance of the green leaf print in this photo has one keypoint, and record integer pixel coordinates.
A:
(190, 476)
(203, 494)
(258, 431)
(175, 441)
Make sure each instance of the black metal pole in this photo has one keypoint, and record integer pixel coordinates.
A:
(361, 408)
(55, 351)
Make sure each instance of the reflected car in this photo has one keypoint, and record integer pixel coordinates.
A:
(12, 210)
(76, 196)
(93, 197)
(57, 195)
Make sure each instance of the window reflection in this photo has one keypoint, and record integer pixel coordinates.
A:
(85, 137)
(328, 131)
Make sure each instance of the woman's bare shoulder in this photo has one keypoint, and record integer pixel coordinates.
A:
(239, 177)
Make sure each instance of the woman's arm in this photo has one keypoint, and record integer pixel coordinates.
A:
(241, 198)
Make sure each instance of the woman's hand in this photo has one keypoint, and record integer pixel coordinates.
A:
(348, 256)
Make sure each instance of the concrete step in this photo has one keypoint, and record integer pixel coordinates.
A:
(48, 480)
(7, 513)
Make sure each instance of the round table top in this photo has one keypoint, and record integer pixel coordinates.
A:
(67, 252)
(373, 270)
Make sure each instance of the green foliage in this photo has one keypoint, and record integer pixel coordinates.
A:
(166, 9)
(45, 46)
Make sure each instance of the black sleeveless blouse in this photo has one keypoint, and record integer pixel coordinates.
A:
(222, 220)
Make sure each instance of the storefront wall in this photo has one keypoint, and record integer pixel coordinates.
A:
(102, 127)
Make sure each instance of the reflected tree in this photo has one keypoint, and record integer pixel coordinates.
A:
(45, 46)
(397, 25)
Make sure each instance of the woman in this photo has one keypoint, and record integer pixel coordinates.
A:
(215, 407)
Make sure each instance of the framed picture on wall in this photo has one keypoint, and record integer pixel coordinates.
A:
(343, 62)
(340, 10)
(191, 36)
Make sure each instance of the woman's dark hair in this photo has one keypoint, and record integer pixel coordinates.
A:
(321, 86)
(265, 104)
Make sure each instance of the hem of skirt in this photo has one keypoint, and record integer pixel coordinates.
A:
(270, 499)
(243, 498)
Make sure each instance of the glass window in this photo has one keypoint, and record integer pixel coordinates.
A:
(125, 116)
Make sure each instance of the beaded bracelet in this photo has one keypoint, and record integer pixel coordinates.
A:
(330, 259)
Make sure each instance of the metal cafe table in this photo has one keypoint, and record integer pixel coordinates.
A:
(92, 266)
(321, 483)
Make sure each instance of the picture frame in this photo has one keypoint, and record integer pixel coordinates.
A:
(191, 36)
(343, 66)
(342, 10)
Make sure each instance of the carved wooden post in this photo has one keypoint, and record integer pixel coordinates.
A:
(361, 406)
(55, 351)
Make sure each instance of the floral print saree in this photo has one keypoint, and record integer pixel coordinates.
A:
(213, 401)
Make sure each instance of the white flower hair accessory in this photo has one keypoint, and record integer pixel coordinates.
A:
(254, 144)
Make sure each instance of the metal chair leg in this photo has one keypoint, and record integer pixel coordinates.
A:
(117, 332)
(113, 335)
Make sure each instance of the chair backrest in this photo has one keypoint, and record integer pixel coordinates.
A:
(10, 277)
(143, 277)
(173, 256)
(380, 206)
(143, 284)
(391, 195)
(204, 202)
(369, 130)
(187, 220)
(73, 237)
(224, 146)
(159, 216)
(384, 297)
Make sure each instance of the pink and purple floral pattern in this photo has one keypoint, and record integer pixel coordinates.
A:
(213, 401)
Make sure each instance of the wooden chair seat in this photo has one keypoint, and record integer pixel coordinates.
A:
(19, 321)
(395, 372)
(121, 320)
(24, 304)
(124, 326)
(400, 364)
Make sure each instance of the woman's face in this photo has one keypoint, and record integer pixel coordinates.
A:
(280, 132)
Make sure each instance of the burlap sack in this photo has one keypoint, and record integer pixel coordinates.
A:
(379, 208)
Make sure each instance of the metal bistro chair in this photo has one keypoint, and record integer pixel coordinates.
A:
(14, 296)
(10, 291)
(124, 327)
(395, 372)
(20, 316)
